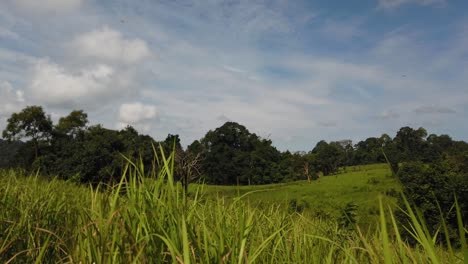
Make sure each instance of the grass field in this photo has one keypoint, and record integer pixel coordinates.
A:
(361, 185)
(143, 220)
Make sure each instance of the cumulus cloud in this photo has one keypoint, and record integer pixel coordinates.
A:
(392, 4)
(136, 113)
(11, 100)
(52, 84)
(209, 70)
(47, 5)
(108, 44)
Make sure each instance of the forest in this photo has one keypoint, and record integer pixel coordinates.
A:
(228, 155)
(431, 169)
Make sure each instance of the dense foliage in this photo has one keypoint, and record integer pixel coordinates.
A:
(228, 155)
(433, 188)
(233, 155)
(8, 151)
(432, 169)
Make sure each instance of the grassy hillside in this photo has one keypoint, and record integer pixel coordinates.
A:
(149, 221)
(327, 196)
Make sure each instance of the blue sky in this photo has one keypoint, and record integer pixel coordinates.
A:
(293, 71)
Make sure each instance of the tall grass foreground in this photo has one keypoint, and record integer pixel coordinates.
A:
(149, 219)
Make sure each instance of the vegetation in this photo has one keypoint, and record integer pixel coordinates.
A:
(8, 151)
(434, 188)
(325, 198)
(149, 220)
(134, 203)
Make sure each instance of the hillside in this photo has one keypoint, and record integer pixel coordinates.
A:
(151, 222)
(360, 185)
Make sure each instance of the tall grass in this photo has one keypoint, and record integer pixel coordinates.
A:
(148, 219)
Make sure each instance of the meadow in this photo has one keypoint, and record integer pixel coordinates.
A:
(326, 197)
(148, 219)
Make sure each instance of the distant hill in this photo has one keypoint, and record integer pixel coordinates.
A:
(8, 151)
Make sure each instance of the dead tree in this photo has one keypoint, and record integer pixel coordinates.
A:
(306, 170)
(188, 168)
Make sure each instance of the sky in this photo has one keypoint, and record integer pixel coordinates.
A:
(295, 72)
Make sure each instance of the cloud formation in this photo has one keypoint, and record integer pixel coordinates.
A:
(10, 100)
(108, 44)
(53, 85)
(135, 113)
(301, 71)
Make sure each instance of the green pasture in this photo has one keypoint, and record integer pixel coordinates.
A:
(360, 185)
(150, 220)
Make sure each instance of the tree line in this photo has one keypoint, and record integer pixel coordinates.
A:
(433, 169)
(228, 155)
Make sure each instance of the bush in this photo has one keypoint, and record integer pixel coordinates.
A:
(348, 216)
(373, 181)
(297, 206)
(432, 188)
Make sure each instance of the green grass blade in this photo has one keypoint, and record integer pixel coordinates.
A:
(386, 244)
(461, 231)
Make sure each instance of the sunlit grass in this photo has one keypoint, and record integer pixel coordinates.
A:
(149, 220)
(361, 185)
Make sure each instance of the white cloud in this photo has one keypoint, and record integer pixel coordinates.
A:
(209, 69)
(136, 113)
(108, 44)
(392, 4)
(47, 5)
(11, 100)
(54, 85)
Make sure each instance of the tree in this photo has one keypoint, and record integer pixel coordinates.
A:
(8, 152)
(227, 150)
(328, 157)
(137, 146)
(31, 123)
(233, 155)
(346, 148)
(431, 188)
(188, 167)
(72, 124)
(385, 139)
(369, 151)
(99, 159)
(411, 143)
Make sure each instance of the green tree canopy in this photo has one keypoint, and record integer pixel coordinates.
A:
(328, 156)
(31, 123)
(231, 155)
(73, 123)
